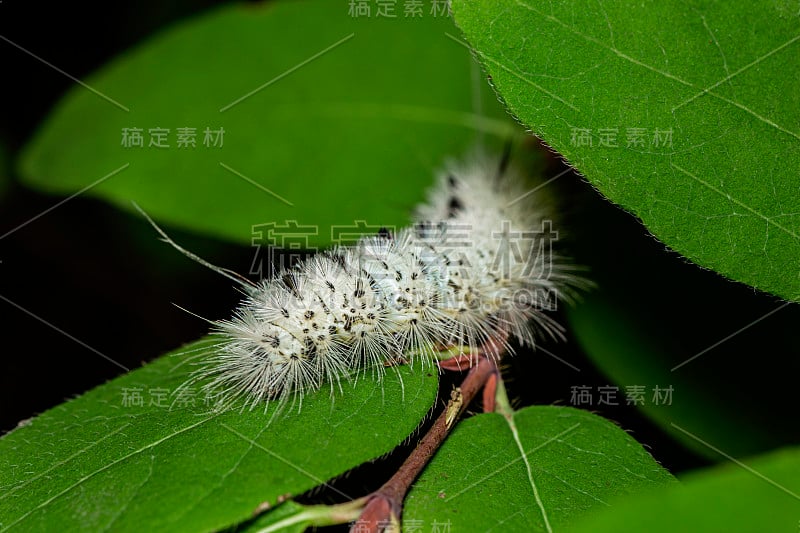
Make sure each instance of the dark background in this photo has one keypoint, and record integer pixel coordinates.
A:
(75, 266)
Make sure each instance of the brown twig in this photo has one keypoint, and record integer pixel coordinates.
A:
(384, 506)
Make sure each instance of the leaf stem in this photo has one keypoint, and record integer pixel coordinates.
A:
(503, 404)
(321, 515)
(384, 506)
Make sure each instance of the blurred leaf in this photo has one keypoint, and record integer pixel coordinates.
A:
(345, 118)
(729, 355)
(95, 463)
(721, 499)
(479, 480)
(5, 173)
(711, 86)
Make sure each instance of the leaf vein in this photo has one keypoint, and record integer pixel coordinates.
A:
(516, 74)
(741, 204)
(668, 75)
(63, 462)
(106, 467)
(131, 498)
(532, 482)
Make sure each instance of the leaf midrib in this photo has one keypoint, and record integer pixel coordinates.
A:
(106, 467)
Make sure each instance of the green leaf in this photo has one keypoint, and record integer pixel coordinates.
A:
(761, 495)
(720, 76)
(353, 116)
(95, 463)
(656, 321)
(573, 461)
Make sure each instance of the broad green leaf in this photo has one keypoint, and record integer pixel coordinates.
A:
(329, 120)
(98, 462)
(561, 463)
(685, 113)
(722, 356)
(760, 495)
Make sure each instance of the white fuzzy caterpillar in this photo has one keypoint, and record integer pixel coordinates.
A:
(476, 265)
